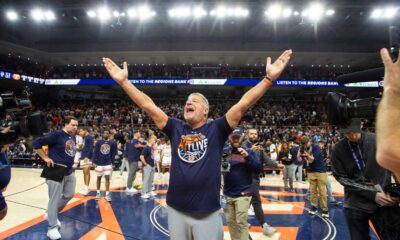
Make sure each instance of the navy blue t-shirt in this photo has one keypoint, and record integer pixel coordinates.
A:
(131, 152)
(62, 147)
(104, 152)
(87, 150)
(147, 154)
(195, 179)
(239, 181)
(318, 164)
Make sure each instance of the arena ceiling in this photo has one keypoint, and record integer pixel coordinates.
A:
(349, 37)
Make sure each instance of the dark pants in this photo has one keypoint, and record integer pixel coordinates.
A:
(358, 223)
(256, 201)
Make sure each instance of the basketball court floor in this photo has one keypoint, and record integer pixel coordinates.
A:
(129, 216)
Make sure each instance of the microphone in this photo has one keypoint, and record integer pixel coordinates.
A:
(370, 75)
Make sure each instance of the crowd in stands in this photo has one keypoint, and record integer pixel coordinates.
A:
(22, 65)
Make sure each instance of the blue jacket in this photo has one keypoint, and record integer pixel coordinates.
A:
(238, 182)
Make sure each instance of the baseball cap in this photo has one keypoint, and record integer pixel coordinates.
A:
(236, 132)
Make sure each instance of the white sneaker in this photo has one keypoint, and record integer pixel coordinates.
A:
(53, 234)
(131, 190)
(46, 217)
(108, 198)
(268, 230)
(250, 212)
(98, 196)
(145, 196)
(85, 191)
(153, 194)
(153, 188)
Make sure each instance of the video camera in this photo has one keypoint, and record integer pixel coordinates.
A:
(225, 165)
(341, 109)
(15, 114)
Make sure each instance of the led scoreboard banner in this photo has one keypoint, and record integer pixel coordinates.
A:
(185, 81)
(215, 82)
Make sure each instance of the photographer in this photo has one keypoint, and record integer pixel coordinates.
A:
(388, 117)
(238, 185)
(353, 161)
(311, 153)
(251, 142)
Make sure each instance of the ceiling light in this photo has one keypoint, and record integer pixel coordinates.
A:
(37, 14)
(12, 15)
(91, 13)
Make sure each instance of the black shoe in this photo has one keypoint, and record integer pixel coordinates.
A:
(313, 210)
(335, 202)
(325, 214)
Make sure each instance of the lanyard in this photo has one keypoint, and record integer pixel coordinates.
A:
(360, 164)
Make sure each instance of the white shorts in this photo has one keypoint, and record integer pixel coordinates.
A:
(166, 161)
(157, 157)
(83, 163)
(103, 170)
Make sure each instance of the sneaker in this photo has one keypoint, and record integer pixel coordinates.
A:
(335, 202)
(46, 217)
(131, 190)
(85, 191)
(268, 230)
(98, 196)
(325, 214)
(145, 196)
(250, 212)
(313, 210)
(292, 190)
(153, 188)
(108, 198)
(153, 194)
(53, 234)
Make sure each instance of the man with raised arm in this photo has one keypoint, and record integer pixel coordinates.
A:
(193, 196)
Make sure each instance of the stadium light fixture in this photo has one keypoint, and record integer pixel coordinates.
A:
(199, 12)
(132, 13)
(145, 13)
(12, 15)
(37, 14)
(180, 12)
(384, 13)
(287, 12)
(103, 14)
(49, 15)
(116, 14)
(274, 11)
(330, 12)
(377, 13)
(296, 13)
(91, 13)
(390, 12)
(315, 12)
(222, 12)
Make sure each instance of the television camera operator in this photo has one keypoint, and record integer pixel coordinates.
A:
(252, 142)
(243, 163)
(355, 167)
(16, 120)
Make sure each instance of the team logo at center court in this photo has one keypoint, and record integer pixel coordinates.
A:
(70, 148)
(192, 148)
(105, 149)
